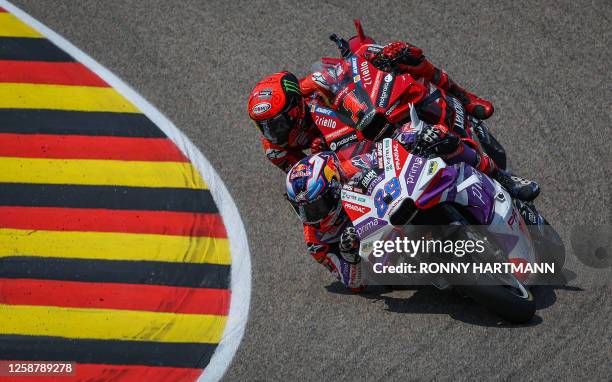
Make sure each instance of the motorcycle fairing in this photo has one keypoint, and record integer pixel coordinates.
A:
(429, 182)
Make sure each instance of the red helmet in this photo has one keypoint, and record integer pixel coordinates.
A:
(276, 106)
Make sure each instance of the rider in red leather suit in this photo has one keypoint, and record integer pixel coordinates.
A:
(280, 107)
(314, 89)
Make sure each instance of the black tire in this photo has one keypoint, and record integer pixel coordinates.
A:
(503, 295)
(503, 300)
(551, 249)
(496, 151)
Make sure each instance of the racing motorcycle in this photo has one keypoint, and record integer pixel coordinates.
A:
(404, 190)
(371, 102)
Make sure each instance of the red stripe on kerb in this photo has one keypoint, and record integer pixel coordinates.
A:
(129, 373)
(103, 220)
(2, 9)
(58, 73)
(153, 298)
(89, 147)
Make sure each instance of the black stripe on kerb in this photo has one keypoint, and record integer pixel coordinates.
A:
(31, 49)
(193, 275)
(36, 348)
(110, 197)
(66, 122)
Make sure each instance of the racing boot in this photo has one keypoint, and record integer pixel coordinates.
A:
(520, 188)
(474, 105)
(410, 58)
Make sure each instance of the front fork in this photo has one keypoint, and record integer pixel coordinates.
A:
(530, 214)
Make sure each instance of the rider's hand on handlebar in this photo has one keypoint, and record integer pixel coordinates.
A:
(402, 53)
(436, 139)
(349, 245)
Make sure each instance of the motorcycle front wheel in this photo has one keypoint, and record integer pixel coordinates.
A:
(504, 294)
(512, 303)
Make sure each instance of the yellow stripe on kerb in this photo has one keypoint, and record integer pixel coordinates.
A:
(114, 246)
(100, 172)
(10, 26)
(62, 97)
(109, 324)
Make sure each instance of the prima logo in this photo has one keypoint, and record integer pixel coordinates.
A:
(367, 227)
(413, 172)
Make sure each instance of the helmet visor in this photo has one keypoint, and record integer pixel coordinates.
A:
(277, 129)
(316, 210)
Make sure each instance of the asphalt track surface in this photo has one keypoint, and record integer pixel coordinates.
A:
(546, 67)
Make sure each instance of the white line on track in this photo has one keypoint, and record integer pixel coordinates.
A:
(241, 260)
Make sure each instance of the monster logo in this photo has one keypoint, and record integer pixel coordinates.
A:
(291, 86)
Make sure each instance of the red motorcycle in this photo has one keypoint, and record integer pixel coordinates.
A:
(369, 103)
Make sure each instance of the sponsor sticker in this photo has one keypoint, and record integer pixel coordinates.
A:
(325, 122)
(337, 133)
(388, 158)
(354, 66)
(375, 48)
(320, 80)
(347, 196)
(368, 178)
(261, 108)
(414, 170)
(368, 226)
(300, 171)
(396, 157)
(323, 110)
(433, 166)
(459, 114)
(385, 91)
(355, 207)
(264, 94)
(365, 73)
(338, 144)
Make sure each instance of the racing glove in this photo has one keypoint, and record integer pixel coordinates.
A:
(436, 139)
(398, 55)
(349, 245)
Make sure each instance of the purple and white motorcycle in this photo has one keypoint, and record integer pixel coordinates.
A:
(400, 193)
